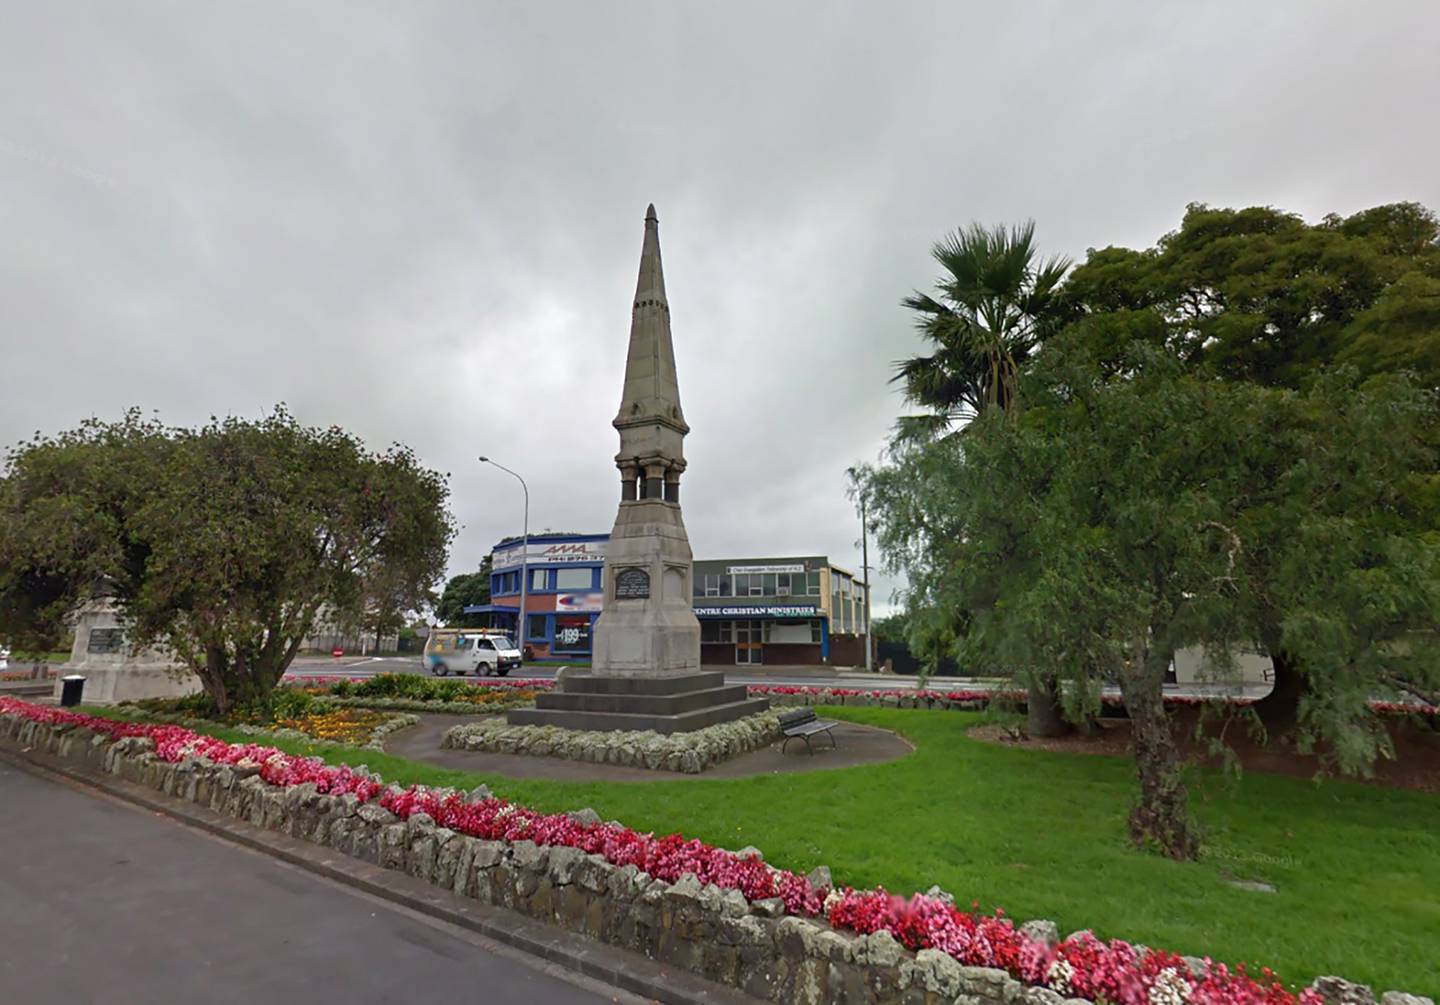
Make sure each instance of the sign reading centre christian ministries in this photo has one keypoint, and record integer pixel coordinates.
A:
(759, 611)
(632, 584)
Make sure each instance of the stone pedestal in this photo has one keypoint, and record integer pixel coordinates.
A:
(112, 671)
(648, 625)
(669, 703)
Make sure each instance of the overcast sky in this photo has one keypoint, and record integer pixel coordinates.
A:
(422, 221)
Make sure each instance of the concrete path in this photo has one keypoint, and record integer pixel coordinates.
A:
(101, 902)
(855, 745)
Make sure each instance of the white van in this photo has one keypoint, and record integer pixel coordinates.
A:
(481, 651)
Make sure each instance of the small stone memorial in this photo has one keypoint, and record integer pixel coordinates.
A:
(112, 671)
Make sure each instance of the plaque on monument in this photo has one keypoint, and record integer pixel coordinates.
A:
(105, 640)
(632, 584)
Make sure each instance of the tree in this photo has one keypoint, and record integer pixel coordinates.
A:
(389, 596)
(997, 301)
(1260, 296)
(468, 589)
(218, 544)
(1112, 524)
(893, 627)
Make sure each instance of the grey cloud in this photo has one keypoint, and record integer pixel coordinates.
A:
(422, 221)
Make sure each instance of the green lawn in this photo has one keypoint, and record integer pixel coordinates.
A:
(1042, 835)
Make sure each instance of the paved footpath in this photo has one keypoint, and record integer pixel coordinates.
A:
(103, 902)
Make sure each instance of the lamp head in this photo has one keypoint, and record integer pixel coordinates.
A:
(484, 460)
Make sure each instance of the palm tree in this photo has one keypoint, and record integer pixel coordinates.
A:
(996, 303)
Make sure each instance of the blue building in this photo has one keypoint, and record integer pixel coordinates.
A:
(781, 611)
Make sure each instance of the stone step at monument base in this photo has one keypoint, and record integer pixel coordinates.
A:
(675, 703)
(671, 683)
(649, 704)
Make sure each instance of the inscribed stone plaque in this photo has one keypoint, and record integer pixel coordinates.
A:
(105, 640)
(632, 584)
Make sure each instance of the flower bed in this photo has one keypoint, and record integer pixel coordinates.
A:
(975, 700)
(320, 726)
(412, 693)
(355, 727)
(690, 752)
(1078, 966)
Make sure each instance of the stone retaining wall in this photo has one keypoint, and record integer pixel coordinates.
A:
(753, 946)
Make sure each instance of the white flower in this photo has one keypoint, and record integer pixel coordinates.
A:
(1169, 988)
(1058, 976)
(833, 898)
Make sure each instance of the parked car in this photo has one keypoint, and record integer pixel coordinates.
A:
(481, 651)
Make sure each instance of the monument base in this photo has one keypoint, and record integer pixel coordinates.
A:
(109, 685)
(663, 703)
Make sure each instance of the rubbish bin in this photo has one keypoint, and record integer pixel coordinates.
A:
(71, 688)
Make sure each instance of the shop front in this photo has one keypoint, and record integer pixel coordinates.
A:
(759, 634)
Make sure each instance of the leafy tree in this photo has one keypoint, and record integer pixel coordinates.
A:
(1111, 526)
(892, 627)
(388, 598)
(1260, 296)
(218, 544)
(997, 300)
(468, 589)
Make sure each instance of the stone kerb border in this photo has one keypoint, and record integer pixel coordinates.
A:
(689, 753)
(718, 934)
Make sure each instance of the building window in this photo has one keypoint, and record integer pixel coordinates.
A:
(572, 632)
(537, 579)
(709, 631)
(574, 579)
(508, 582)
(535, 627)
(727, 631)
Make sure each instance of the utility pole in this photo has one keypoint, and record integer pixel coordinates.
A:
(865, 567)
(524, 556)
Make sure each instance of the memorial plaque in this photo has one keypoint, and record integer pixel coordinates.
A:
(632, 584)
(105, 640)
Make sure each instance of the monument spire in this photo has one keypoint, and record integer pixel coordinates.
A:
(652, 391)
(651, 424)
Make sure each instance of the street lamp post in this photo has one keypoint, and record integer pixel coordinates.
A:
(524, 555)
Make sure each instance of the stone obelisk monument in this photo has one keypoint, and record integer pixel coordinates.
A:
(648, 625)
(646, 671)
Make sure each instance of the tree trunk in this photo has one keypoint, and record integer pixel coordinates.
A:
(1280, 709)
(1160, 816)
(1045, 718)
(213, 679)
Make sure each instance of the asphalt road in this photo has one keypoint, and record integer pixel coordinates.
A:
(362, 666)
(102, 902)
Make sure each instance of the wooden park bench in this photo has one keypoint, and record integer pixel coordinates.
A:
(802, 724)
